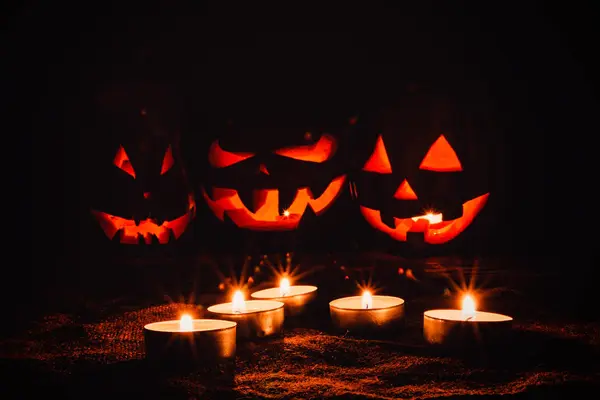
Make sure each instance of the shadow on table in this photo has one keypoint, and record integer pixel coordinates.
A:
(524, 350)
(136, 378)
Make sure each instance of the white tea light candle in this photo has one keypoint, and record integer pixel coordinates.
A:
(464, 327)
(255, 318)
(190, 341)
(367, 313)
(295, 297)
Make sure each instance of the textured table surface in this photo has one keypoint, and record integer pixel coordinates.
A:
(98, 352)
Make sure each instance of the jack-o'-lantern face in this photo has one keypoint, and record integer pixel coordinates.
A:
(150, 218)
(417, 191)
(270, 186)
(136, 181)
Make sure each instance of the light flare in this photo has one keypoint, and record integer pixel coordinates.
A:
(431, 216)
(468, 307)
(284, 287)
(238, 303)
(185, 323)
(367, 300)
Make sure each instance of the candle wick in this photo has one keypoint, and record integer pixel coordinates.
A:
(469, 318)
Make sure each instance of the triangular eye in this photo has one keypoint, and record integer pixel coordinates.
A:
(219, 158)
(167, 162)
(441, 157)
(317, 153)
(122, 161)
(379, 161)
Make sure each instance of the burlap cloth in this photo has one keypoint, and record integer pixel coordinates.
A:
(83, 358)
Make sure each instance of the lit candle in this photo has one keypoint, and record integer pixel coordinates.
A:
(295, 297)
(367, 313)
(367, 300)
(255, 318)
(238, 305)
(190, 342)
(284, 287)
(464, 327)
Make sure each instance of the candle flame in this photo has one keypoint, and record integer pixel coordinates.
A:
(367, 300)
(468, 307)
(284, 287)
(238, 303)
(185, 323)
(432, 217)
(286, 213)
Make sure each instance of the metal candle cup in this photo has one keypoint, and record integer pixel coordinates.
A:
(255, 318)
(363, 314)
(190, 342)
(466, 327)
(295, 297)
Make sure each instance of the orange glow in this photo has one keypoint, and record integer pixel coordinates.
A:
(267, 216)
(122, 161)
(405, 192)
(219, 158)
(367, 300)
(238, 303)
(284, 287)
(130, 233)
(167, 162)
(262, 168)
(432, 218)
(468, 307)
(318, 152)
(435, 229)
(185, 323)
(379, 161)
(441, 157)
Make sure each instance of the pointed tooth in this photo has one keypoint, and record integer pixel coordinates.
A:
(388, 219)
(141, 239)
(154, 240)
(172, 237)
(286, 197)
(319, 187)
(228, 221)
(118, 235)
(158, 220)
(309, 216)
(247, 197)
(137, 220)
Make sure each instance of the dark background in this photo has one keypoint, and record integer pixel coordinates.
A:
(533, 61)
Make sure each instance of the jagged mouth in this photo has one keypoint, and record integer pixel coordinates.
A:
(148, 231)
(268, 214)
(432, 226)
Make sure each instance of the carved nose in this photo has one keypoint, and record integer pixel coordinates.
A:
(405, 192)
(262, 169)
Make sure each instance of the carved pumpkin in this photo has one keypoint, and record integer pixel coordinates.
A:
(267, 178)
(421, 181)
(139, 192)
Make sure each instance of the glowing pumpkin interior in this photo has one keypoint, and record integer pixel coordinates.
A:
(265, 211)
(441, 158)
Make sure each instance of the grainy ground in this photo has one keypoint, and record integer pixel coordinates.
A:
(99, 353)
